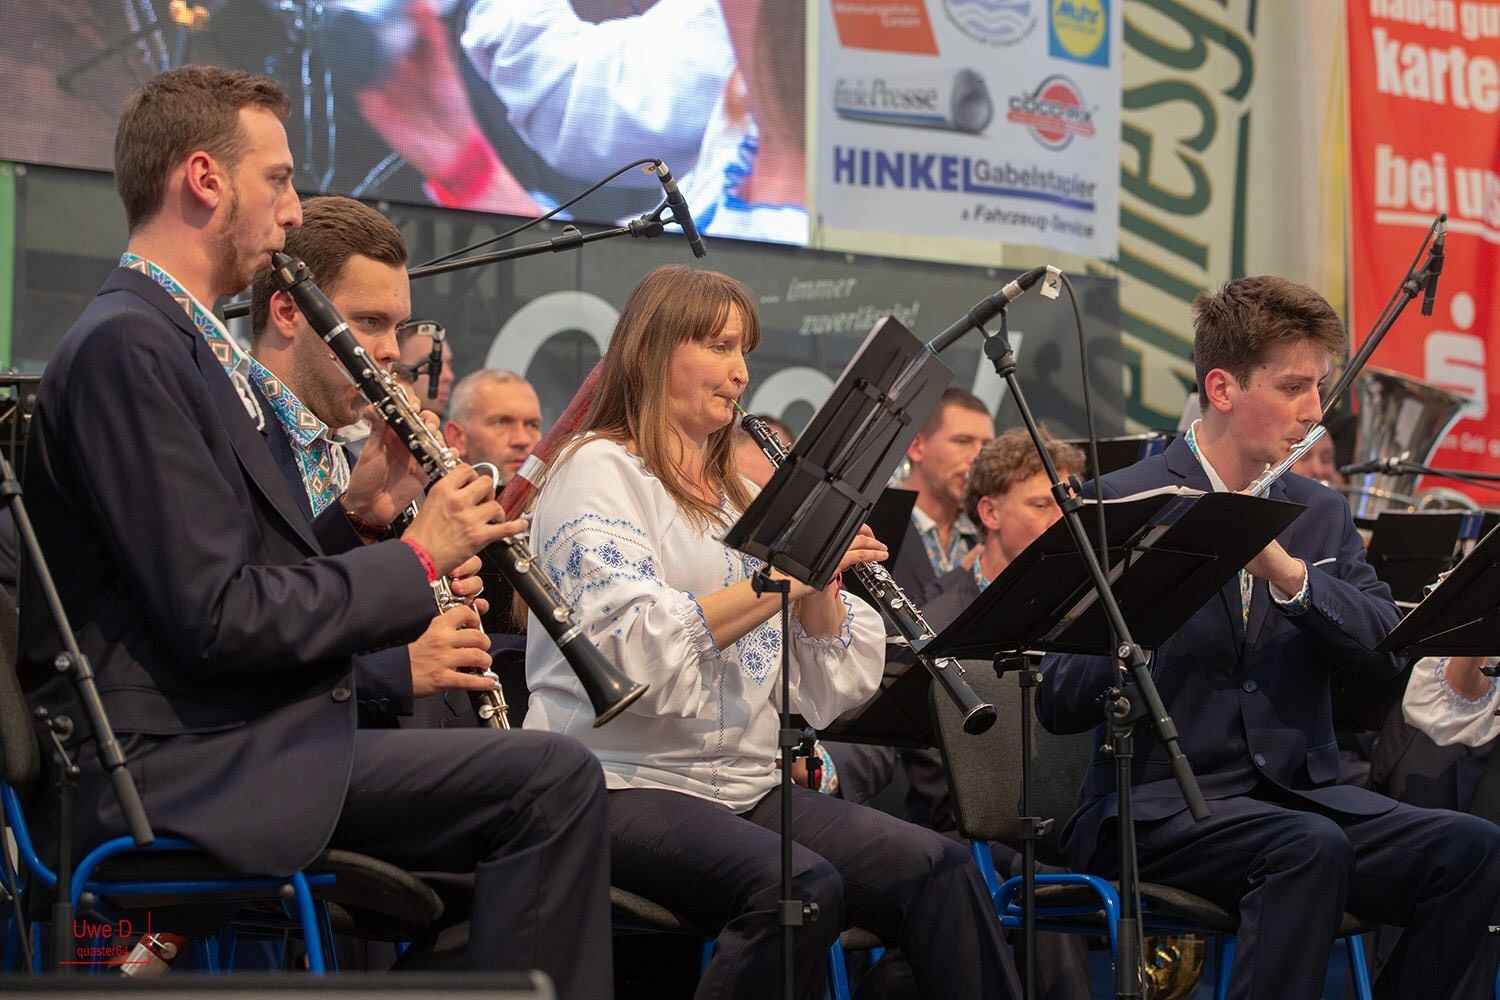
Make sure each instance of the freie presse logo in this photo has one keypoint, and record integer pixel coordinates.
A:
(1078, 30)
(1054, 113)
(994, 22)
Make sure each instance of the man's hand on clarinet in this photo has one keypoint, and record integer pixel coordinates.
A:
(459, 518)
(447, 655)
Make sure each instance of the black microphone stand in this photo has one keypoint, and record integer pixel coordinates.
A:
(60, 728)
(1135, 696)
(648, 226)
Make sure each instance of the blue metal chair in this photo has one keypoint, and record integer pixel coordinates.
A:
(985, 775)
(342, 891)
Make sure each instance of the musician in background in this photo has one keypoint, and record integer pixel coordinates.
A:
(359, 257)
(494, 416)
(1318, 463)
(939, 458)
(1247, 681)
(1008, 495)
(222, 622)
(628, 526)
(415, 364)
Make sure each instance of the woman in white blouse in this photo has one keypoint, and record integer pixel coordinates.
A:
(1452, 701)
(628, 527)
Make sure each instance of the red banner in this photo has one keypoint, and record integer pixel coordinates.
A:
(1424, 138)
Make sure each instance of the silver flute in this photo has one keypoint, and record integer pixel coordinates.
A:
(947, 672)
(1262, 485)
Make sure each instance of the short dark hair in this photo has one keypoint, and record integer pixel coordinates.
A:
(333, 229)
(173, 116)
(960, 398)
(1234, 327)
(1012, 458)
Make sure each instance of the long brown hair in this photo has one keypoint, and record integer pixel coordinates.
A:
(671, 305)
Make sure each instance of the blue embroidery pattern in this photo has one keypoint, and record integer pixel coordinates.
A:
(324, 469)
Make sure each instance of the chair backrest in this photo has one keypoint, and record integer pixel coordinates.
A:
(20, 755)
(985, 770)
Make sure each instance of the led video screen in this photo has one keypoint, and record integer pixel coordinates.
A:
(509, 106)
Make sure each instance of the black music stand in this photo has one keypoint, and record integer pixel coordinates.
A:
(1168, 555)
(1461, 616)
(809, 512)
(1409, 550)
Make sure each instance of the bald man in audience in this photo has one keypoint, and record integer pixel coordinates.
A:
(494, 416)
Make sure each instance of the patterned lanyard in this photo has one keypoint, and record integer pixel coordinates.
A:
(1246, 581)
(323, 465)
(979, 576)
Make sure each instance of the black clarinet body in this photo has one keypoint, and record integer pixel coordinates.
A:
(947, 673)
(609, 690)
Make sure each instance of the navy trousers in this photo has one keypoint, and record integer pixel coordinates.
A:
(524, 812)
(1294, 872)
(916, 889)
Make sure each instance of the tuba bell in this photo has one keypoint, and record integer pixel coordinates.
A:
(1400, 417)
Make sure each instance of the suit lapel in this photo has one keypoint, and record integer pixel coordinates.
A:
(1182, 463)
(246, 439)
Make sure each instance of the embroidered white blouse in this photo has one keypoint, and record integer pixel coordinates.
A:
(629, 563)
(1432, 706)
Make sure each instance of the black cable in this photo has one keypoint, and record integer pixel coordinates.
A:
(1114, 639)
(540, 218)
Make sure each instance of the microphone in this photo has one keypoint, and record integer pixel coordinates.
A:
(435, 359)
(1434, 264)
(988, 308)
(679, 207)
(1393, 466)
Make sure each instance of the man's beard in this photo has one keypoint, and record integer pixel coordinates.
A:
(231, 274)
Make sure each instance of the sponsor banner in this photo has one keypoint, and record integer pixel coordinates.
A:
(1424, 85)
(978, 119)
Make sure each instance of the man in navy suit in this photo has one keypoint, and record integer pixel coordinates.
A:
(1247, 683)
(223, 623)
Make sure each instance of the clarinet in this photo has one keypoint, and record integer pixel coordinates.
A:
(978, 715)
(609, 690)
(489, 705)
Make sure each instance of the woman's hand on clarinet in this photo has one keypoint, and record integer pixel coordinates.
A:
(459, 518)
(822, 612)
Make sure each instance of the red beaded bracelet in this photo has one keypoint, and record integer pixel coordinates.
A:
(428, 566)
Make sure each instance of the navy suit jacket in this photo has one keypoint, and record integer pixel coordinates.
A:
(221, 623)
(1251, 704)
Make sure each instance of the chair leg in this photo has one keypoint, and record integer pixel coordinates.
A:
(1359, 969)
(206, 955)
(1223, 964)
(310, 933)
(325, 925)
(838, 972)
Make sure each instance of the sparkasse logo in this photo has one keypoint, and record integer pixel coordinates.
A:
(1054, 113)
(1078, 30)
